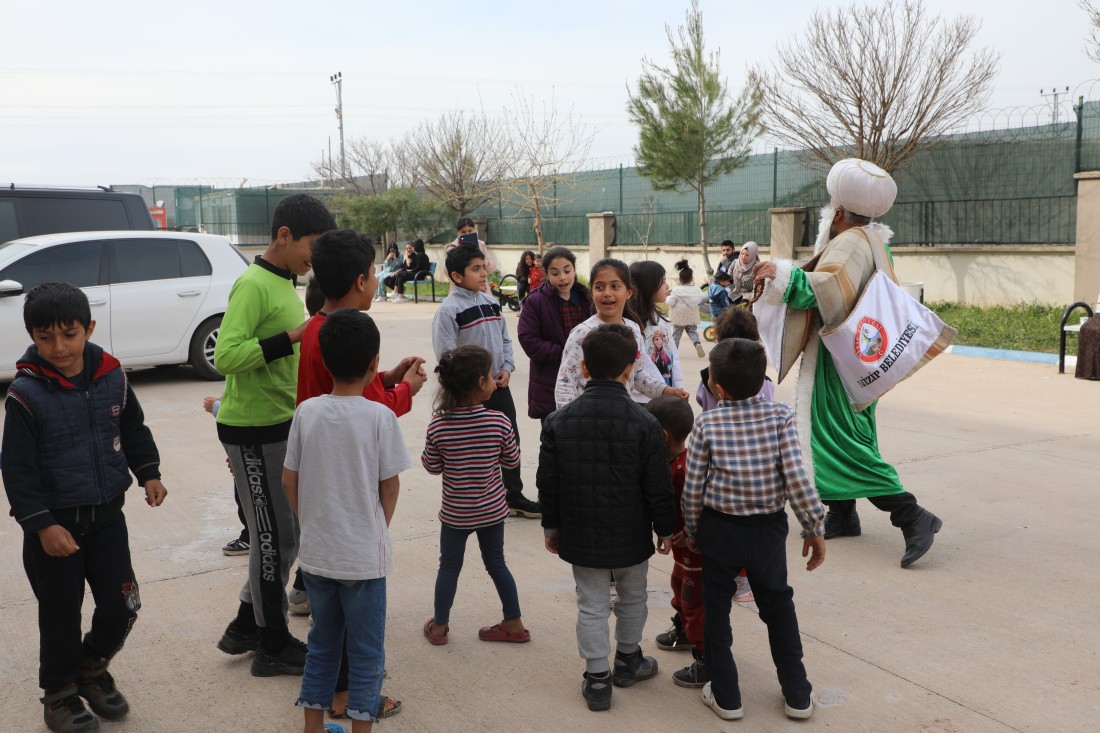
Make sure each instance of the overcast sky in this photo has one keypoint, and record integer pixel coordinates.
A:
(220, 91)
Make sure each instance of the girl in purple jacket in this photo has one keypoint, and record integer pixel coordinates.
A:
(549, 313)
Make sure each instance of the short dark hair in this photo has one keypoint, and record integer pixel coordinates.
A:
(721, 276)
(728, 243)
(459, 258)
(315, 299)
(56, 304)
(738, 366)
(339, 256)
(608, 350)
(736, 323)
(349, 342)
(303, 215)
(673, 413)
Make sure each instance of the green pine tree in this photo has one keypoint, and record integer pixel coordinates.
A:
(690, 130)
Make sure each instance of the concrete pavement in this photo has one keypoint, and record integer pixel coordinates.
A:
(994, 630)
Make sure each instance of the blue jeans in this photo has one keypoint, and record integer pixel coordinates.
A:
(359, 606)
(452, 548)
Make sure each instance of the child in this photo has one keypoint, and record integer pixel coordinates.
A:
(465, 226)
(611, 291)
(549, 313)
(468, 443)
(343, 270)
(536, 275)
(743, 465)
(676, 421)
(733, 323)
(73, 434)
(605, 488)
(718, 294)
(651, 289)
(239, 544)
(523, 274)
(470, 316)
(257, 351)
(683, 304)
(343, 458)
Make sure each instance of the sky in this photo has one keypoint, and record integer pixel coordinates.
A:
(232, 93)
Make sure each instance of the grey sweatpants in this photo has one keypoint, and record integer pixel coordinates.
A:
(272, 527)
(594, 608)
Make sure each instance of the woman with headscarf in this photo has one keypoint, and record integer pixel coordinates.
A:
(741, 273)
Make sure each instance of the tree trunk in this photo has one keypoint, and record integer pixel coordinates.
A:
(538, 221)
(703, 230)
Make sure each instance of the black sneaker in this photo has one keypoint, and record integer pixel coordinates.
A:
(63, 712)
(521, 506)
(290, 660)
(96, 685)
(235, 547)
(674, 640)
(694, 676)
(631, 668)
(597, 691)
(237, 641)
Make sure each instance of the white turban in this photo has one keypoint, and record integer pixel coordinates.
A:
(861, 187)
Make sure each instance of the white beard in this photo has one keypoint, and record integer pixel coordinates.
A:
(824, 227)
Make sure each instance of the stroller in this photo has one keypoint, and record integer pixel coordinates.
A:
(506, 292)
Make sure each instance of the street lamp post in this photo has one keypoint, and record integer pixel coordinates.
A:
(337, 80)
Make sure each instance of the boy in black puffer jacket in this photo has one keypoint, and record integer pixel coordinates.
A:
(605, 488)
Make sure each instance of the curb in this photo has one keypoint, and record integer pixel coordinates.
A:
(1034, 357)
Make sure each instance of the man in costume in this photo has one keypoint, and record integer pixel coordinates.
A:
(843, 453)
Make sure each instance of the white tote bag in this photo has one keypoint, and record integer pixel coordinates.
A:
(887, 337)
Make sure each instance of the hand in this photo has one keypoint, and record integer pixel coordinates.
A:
(208, 403)
(763, 271)
(679, 539)
(676, 392)
(296, 334)
(551, 544)
(664, 545)
(397, 374)
(816, 546)
(502, 378)
(56, 541)
(416, 376)
(155, 492)
(691, 544)
(229, 465)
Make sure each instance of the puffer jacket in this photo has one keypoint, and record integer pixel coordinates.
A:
(542, 335)
(603, 479)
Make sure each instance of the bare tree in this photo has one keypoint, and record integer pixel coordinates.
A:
(370, 169)
(547, 149)
(875, 82)
(650, 209)
(458, 159)
(1092, 42)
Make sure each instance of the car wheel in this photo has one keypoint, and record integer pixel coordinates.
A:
(202, 349)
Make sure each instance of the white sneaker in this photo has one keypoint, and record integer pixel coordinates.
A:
(721, 712)
(796, 713)
(399, 300)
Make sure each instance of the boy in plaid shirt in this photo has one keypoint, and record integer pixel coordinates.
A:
(743, 465)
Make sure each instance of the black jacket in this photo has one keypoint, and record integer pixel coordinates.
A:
(603, 479)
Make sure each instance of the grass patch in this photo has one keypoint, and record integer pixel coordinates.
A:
(1027, 327)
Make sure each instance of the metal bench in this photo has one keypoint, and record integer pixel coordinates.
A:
(422, 277)
(1067, 327)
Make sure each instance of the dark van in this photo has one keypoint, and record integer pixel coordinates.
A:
(26, 212)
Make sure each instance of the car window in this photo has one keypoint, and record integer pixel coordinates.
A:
(55, 214)
(140, 260)
(11, 249)
(77, 263)
(8, 227)
(193, 262)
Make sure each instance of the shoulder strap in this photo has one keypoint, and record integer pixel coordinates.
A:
(878, 251)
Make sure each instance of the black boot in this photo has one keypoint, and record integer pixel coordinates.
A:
(919, 535)
(842, 520)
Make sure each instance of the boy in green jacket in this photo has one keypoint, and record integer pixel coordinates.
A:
(257, 351)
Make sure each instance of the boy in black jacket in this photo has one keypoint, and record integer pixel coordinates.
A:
(73, 433)
(605, 488)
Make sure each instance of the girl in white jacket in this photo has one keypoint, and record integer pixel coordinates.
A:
(683, 303)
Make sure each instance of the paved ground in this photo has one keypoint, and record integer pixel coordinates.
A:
(995, 630)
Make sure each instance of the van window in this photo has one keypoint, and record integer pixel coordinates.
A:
(78, 264)
(52, 214)
(9, 227)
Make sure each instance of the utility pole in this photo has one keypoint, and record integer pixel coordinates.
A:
(337, 80)
(1055, 110)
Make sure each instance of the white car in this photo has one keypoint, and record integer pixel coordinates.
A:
(157, 297)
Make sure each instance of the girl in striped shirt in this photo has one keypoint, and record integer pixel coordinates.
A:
(468, 444)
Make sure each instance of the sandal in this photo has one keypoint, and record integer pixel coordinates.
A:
(432, 638)
(335, 728)
(387, 708)
(498, 632)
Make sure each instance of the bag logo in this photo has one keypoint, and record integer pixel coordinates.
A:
(871, 340)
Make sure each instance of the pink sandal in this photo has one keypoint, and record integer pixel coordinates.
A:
(432, 638)
(498, 632)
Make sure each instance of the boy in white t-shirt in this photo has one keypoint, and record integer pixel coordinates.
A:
(343, 458)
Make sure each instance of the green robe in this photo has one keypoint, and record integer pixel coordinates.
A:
(846, 458)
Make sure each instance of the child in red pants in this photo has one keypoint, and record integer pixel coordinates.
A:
(676, 420)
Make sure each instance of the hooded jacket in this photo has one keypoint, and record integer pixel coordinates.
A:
(542, 335)
(72, 442)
